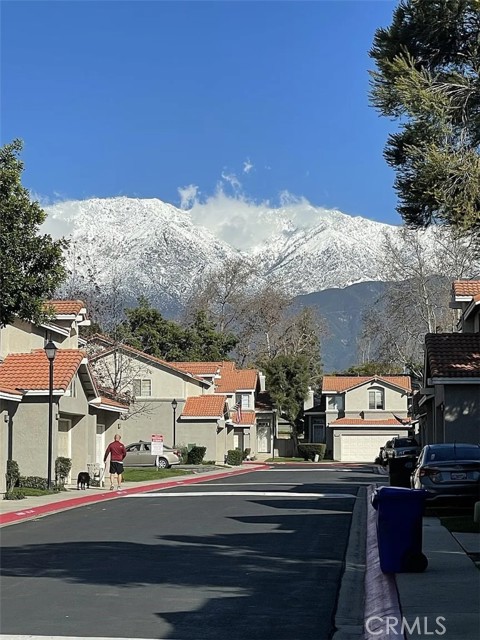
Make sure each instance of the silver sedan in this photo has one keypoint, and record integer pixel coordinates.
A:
(139, 454)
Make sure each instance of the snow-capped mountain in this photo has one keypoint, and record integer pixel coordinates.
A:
(153, 248)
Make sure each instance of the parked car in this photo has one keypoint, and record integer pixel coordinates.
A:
(139, 455)
(448, 470)
(400, 447)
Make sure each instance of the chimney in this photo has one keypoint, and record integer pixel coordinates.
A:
(261, 378)
(308, 402)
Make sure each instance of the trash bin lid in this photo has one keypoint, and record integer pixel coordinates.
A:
(397, 493)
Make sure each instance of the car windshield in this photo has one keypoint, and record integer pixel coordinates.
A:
(453, 453)
(405, 442)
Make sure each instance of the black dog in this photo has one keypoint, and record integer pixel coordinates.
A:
(83, 480)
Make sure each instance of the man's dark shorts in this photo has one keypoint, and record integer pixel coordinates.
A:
(116, 467)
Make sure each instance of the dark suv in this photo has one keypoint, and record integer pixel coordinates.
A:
(402, 447)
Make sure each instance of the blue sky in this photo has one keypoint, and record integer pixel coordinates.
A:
(142, 99)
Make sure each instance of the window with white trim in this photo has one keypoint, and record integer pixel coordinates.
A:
(243, 399)
(376, 399)
(142, 388)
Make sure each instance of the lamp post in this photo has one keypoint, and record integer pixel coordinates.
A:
(174, 407)
(50, 352)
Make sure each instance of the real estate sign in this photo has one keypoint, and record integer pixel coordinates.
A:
(157, 445)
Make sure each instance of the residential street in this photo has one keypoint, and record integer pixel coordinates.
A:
(254, 556)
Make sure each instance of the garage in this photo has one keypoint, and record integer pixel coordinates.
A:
(363, 446)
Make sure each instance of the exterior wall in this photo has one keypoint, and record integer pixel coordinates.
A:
(462, 413)
(154, 417)
(356, 400)
(203, 434)
(21, 337)
(30, 436)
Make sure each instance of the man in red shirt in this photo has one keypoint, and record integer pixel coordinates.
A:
(117, 453)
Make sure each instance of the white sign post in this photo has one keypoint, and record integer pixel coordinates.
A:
(157, 445)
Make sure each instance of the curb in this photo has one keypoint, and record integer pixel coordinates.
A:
(349, 615)
(71, 503)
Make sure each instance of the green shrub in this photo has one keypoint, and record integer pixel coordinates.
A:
(309, 451)
(234, 457)
(14, 494)
(183, 451)
(63, 467)
(12, 476)
(33, 482)
(196, 454)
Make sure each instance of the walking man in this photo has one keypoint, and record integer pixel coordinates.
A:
(117, 453)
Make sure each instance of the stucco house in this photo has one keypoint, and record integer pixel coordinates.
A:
(82, 418)
(449, 406)
(360, 414)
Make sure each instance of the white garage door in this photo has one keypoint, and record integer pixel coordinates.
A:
(361, 447)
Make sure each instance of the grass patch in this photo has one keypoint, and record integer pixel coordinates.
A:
(141, 475)
(285, 460)
(27, 491)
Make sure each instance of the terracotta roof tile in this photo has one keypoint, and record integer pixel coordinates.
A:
(30, 371)
(13, 392)
(66, 307)
(248, 417)
(208, 406)
(338, 384)
(359, 422)
(237, 379)
(198, 368)
(113, 403)
(453, 355)
(466, 288)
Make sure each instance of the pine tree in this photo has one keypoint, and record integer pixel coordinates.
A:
(427, 78)
(31, 264)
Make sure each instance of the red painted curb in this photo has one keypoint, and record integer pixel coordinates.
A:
(25, 514)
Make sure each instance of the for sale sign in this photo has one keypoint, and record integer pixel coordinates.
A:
(157, 445)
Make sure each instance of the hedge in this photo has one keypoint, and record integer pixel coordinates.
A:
(309, 451)
(234, 457)
(196, 454)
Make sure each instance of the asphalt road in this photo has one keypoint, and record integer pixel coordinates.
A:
(248, 563)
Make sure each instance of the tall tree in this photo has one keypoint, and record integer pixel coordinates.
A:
(419, 267)
(31, 264)
(427, 77)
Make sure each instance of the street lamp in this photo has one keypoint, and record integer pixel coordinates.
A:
(174, 407)
(50, 352)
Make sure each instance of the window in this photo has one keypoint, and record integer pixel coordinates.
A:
(243, 399)
(142, 388)
(335, 402)
(376, 399)
(71, 391)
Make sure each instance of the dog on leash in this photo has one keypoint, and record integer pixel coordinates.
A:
(83, 480)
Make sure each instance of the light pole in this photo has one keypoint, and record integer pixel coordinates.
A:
(174, 407)
(50, 352)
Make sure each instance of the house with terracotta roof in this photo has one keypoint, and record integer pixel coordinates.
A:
(65, 317)
(84, 418)
(360, 413)
(449, 407)
(81, 415)
(204, 421)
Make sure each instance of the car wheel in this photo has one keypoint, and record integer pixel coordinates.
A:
(162, 463)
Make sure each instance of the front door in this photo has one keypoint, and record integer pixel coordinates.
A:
(264, 437)
(238, 439)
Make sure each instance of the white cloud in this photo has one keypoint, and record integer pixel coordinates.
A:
(188, 196)
(247, 166)
(232, 180)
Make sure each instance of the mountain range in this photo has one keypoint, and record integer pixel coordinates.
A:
(152, 248)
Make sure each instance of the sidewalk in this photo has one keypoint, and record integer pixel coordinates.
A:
(443, 601)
